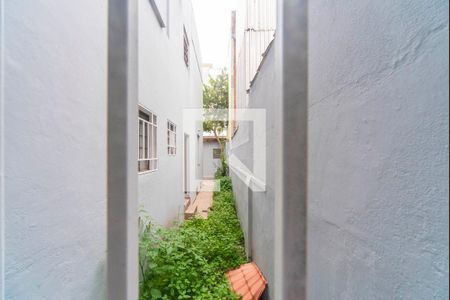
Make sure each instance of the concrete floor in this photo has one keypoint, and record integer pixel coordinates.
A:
(203, 202)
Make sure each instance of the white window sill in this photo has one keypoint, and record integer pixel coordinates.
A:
(147, 172)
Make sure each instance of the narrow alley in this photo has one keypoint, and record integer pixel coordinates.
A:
(224, 149)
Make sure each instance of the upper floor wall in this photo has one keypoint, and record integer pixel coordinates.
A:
(54, 67)
(253, 30)
(170, 81)
(171, 26)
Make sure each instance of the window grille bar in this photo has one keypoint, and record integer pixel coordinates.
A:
(148, 127)
(259, 32)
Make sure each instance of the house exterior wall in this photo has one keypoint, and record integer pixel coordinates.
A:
(166, 88)
(256, 77)
(377, 153)
(378, 150)
(55, 83)
(256, 209)
(253, 29)
(55, 138)
(210, 164)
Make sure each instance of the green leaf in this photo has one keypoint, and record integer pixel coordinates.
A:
(156, 294)
(189, 260)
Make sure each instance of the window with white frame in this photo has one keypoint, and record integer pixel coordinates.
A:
(171, 138)
(148, 134)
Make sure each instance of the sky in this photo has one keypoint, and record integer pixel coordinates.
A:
(213, 18)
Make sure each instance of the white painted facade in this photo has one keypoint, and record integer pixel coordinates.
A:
(252, 31)
(378, 194)
(54, 141)
(54, 138)
(167, 87)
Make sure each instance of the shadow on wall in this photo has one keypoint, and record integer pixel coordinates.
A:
(99, 290)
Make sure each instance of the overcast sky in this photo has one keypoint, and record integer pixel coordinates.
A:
(213, 19)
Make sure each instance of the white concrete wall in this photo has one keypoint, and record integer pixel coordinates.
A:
(256, 209)
(55, 149)
(210, 164)
(378, 150)
(166, 87)
(377, 157)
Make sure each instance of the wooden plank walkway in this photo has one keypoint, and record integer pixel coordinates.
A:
(203, 202)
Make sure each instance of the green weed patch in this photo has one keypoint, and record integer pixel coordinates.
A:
(189, 261)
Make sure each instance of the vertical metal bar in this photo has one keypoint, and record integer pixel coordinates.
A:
(155, 139)
(265, 27)
(139, 126)
(260, 26)
(291, 200)
(2, 152)
(148, 140)
(122, 274)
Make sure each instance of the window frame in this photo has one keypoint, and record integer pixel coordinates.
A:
(214, 153)
(149, 141)
(186, 48)
(172, 131)
(158, 13)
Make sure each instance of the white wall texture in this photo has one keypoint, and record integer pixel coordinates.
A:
(166, 87)
(210, 164)
(55, 138)
(55, 146)
(256, 209)
(378, 150)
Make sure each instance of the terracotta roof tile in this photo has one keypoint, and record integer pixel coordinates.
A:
(247, 281)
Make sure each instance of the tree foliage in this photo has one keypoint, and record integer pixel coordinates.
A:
(215, 103)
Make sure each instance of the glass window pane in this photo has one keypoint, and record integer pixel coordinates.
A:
(217, 153)
(144, 116)
(143, 166)
(146, 141)
(140, 142)
(150, 142)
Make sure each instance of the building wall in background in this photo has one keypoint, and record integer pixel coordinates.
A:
(253, 63)
(256, 209)
(210, 164)
(255, 86)
(378, 150)
(166, 88)
(55, 149)
(253, 27)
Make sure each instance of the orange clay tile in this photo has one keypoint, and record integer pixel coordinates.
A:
(247, 281)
